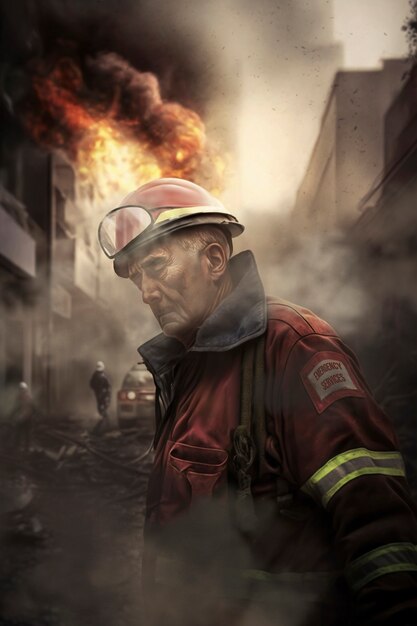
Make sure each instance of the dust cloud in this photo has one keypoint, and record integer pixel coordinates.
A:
(258, 74)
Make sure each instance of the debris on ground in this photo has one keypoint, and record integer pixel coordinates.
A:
(72, 510)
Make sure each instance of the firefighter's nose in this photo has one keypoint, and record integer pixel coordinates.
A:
(150, 291)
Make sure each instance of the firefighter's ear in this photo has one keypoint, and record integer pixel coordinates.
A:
(216, 260)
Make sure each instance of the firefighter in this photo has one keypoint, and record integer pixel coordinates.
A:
(101, 386)
(23, 415)
(277, 494)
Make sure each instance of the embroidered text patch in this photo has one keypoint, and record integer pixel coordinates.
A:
(327, 377)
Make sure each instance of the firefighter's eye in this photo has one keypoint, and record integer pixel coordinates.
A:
(136, 278)
(155, 265)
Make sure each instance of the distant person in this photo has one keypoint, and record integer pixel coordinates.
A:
(101, 386)
(22, 418)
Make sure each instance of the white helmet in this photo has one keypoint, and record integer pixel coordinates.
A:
(100, 366)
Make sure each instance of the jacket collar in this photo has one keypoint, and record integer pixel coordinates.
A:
(241, 316)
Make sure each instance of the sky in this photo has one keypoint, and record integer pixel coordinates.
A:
(370, 30)
(284, 93)
(258, 73)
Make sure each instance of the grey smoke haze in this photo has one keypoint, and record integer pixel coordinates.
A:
(90, 572)
(259, 75)
(201, 574)
(371, 30)
(321, 272)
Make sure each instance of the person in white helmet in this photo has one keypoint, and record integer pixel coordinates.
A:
(277, 494)
(22, 418)
(101, 386)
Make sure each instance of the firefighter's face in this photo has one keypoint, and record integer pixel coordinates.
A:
(178, 284)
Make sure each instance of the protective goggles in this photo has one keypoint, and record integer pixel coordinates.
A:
(123, 225)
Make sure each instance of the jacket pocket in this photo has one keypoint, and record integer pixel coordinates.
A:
(203, 468)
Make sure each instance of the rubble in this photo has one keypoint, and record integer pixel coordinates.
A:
(72, 543)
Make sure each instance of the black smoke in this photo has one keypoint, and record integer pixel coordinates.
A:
(149, 40)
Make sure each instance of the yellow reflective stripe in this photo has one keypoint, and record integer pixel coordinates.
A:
(170, 214)
(237, 581)
(393, 557)
(350, 455)
(383, 471)
(388, 569)
(389, 548)
(349, 465)
(289, 577)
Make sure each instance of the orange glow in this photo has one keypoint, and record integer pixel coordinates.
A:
(112, 152)
(112, 162)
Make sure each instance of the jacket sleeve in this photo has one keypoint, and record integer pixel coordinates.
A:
(342, 451)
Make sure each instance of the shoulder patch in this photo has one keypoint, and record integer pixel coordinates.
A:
(327, 377)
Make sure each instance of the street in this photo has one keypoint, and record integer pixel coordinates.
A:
(71, 529)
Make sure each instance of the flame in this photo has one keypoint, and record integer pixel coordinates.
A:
(114, 151)
(112, 162)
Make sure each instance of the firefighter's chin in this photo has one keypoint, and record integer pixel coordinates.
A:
(173, 326)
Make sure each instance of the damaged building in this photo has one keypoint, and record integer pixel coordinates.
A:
(50, 275)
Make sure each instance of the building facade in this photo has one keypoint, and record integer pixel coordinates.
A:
(348, 155)
(51, 299)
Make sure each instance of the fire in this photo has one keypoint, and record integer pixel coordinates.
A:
(113, 162)
(123, 134)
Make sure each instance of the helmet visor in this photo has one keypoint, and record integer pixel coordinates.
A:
(120, 227)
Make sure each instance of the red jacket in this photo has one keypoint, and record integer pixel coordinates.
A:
(328, 443)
